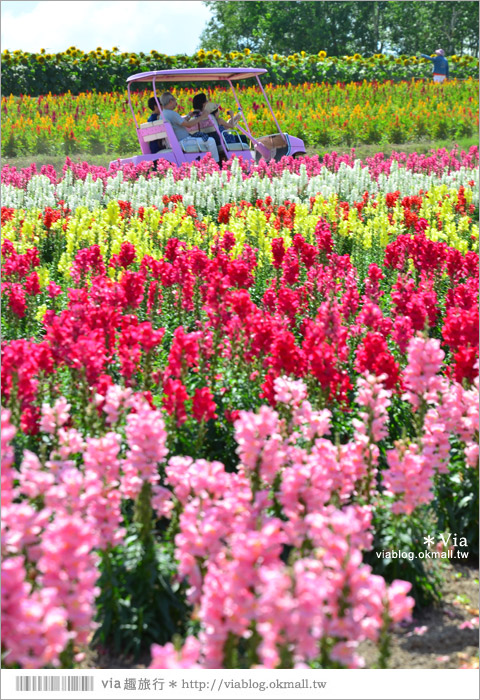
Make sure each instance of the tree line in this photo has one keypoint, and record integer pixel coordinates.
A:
(343, 28)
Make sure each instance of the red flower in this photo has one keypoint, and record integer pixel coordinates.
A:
(125, 257)
(231, 416)
(32, 284)
(461, 328)
(372, 282)
(278, 251)
(16, 299)
(53, 290)
(374, 356)
(324, 236)
(203, 405)
(228, 241)
(132, 284)
(465, 364)
(391, 198)
(224, 213)
(50, 216)
(174, 399)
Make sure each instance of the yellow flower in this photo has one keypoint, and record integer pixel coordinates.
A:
(322, 54)
(247, 52)
(41, 311)
(356, 56)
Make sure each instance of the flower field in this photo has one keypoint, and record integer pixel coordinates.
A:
(75, 70)
(320, 114)
(228, 396)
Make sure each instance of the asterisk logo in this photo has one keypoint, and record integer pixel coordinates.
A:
(428, 540)
(173, 684)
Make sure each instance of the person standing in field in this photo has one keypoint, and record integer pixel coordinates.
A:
(440, 65)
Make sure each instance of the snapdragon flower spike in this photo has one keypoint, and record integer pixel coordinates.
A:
(422, 374)
(146, 436)
(408, 478)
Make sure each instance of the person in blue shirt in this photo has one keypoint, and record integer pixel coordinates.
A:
(440, 65)
(155, 146)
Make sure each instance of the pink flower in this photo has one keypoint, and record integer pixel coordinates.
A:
(425, 359)
(168, 657)
(53, 417)
(409, 478)
(400, 605)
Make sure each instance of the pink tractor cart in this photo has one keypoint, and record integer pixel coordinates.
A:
(273, 146)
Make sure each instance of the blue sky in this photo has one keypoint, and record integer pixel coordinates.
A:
(166, 26)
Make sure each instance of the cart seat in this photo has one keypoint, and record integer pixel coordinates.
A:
(153, 131)
(236, 145)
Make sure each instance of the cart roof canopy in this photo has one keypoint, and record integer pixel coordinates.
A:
(192, 74)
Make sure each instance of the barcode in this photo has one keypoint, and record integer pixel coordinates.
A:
(29, 684)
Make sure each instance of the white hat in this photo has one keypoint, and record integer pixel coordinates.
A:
(210, 107)
(440, 52)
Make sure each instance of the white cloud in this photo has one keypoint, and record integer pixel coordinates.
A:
(168, 27)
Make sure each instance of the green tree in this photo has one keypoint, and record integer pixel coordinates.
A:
(426, 26)
(341, 28)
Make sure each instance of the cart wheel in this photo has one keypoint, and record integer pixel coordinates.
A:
(299, 155)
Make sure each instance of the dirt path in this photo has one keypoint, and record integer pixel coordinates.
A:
(442, 636)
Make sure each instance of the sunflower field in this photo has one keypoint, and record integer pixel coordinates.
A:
(107, 70)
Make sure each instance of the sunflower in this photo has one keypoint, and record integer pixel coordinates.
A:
(322, 55)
